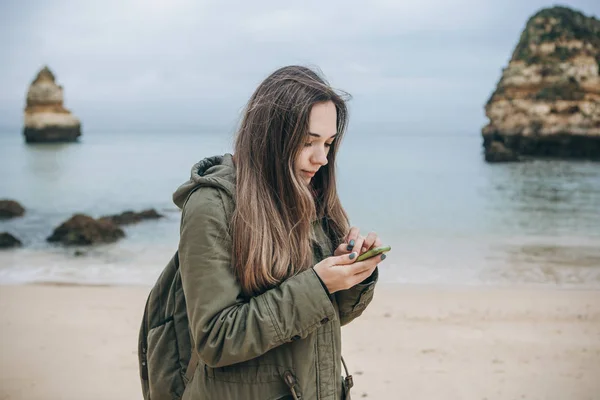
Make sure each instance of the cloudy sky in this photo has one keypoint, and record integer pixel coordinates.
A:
(424, 66)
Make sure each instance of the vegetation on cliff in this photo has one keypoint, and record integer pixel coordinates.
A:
(560, 26)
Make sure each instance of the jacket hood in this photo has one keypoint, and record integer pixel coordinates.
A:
(215, 171)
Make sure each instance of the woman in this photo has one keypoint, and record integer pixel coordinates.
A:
(267, 258)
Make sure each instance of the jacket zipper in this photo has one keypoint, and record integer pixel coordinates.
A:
(290, 380)
(144, 364)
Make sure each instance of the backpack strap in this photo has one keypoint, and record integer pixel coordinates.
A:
(194, 357)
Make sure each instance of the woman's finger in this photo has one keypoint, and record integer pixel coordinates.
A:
(362, 266)
(341, 249)
(378, 242)
(359, 244)
(369, 241)
(351, 237)
(358, 278)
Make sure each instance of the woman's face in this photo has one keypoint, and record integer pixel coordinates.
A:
(322, 127)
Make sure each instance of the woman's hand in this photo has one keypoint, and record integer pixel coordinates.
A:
(343, 272)
(355, 240)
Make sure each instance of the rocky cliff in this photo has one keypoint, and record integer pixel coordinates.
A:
(547, 102)
(46, 120)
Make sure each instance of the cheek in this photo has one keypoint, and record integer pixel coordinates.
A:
(303, 158)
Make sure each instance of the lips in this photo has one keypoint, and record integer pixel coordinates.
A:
(310, 173)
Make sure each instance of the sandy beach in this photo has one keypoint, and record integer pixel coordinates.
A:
(417, 342)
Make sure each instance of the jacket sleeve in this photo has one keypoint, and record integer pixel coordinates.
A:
(352, 302)
(225, 328)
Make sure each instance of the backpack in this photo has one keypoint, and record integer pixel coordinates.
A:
(164, 346)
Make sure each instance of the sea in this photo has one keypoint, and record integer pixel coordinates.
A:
(450, 217)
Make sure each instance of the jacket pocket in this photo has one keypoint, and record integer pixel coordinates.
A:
(246, 380)
(247, 372)
(164, 372)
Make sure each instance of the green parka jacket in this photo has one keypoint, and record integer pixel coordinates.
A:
(249, 349)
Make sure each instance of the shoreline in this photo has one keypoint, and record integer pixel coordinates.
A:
(141, 266)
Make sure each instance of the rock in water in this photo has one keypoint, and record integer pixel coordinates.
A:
(131, 217)
(547, 102)
(81, 229)
(8, 241)
(10, 209)
(46, 120)
(497, 152)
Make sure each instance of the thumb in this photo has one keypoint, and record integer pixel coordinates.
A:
(344, 259)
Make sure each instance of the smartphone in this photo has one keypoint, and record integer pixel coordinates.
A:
(373, 252)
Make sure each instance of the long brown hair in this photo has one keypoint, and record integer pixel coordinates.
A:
(271, 225)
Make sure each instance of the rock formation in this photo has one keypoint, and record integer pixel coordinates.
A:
(46, 120)
(130, 217)
(8, 241)
(547, 102)
(81, 229)
(10, 209)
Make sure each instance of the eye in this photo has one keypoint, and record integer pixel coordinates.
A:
(328, 144)
(307, 144)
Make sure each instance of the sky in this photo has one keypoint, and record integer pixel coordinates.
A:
(412, 67)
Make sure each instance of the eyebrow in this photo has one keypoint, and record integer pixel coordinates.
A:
(317, 135)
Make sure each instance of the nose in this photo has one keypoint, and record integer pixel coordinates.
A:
(319, 156)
